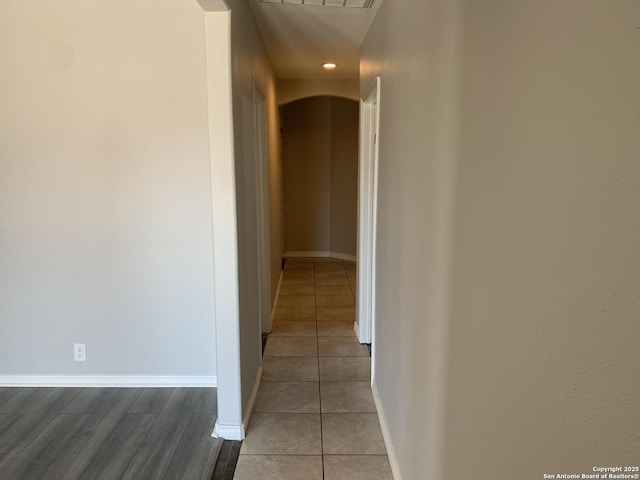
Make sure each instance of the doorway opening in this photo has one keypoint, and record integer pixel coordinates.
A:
(320, 165)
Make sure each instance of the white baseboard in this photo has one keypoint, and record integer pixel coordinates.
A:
(275, 303)
(341, 256)
(228, 432)
(305, 254)
(391, 453)
(238, 432)
(252, 398)
(108, 381)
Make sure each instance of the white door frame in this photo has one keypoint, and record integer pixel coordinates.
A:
(367, 213)
(262, 209)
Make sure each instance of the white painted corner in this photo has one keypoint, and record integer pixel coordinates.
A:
(275, 302)
(228, 432)
(238, 432)
(252, 398)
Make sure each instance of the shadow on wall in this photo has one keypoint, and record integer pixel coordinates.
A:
(320, 156)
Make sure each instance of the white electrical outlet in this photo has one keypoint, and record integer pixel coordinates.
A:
(79, 352)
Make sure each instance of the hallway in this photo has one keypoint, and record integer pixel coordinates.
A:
(314, 416)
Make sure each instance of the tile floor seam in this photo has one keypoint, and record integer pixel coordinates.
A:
(330, 466)
(315, 302)
(355, 455)
(289, 381)
(294, 454)
(342, 356)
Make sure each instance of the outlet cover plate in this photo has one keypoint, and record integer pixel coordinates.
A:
(79, 352)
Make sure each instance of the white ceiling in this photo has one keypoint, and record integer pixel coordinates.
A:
(301, 37)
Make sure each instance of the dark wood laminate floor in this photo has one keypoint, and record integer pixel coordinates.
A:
(107, 433)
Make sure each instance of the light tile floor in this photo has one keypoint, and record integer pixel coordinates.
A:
(314, 416)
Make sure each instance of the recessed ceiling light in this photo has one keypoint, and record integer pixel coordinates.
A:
(329, 66)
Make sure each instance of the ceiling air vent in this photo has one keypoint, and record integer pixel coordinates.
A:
(326, 3)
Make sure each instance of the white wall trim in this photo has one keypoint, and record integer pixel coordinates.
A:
(275, 302)
(386, 435)
(238, 432)
(356, 329)
(261, 161)
(228, 432)
(323, 253)
(367, 211)
(116, 381)
(252, 399)
(225, 223)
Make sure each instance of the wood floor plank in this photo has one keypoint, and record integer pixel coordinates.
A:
(30, 425)
(90, 434)
(24, 400)
(156, 452)
(207, 403)
(93, 435)
(8, 419)
(56, 401)
(91, 400)
(120, 447)
(151, 400)
(7, 393)
(87, 401)
(197, 451)
(34, 459)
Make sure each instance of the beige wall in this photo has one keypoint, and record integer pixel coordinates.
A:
(547, 266)
(507, 244)
(251, 64)
(291, 89)
(276, 192)
(307, 175)
(320, 171)
(343, 176)
(413, 48)
(105, 212)
(223, 209)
